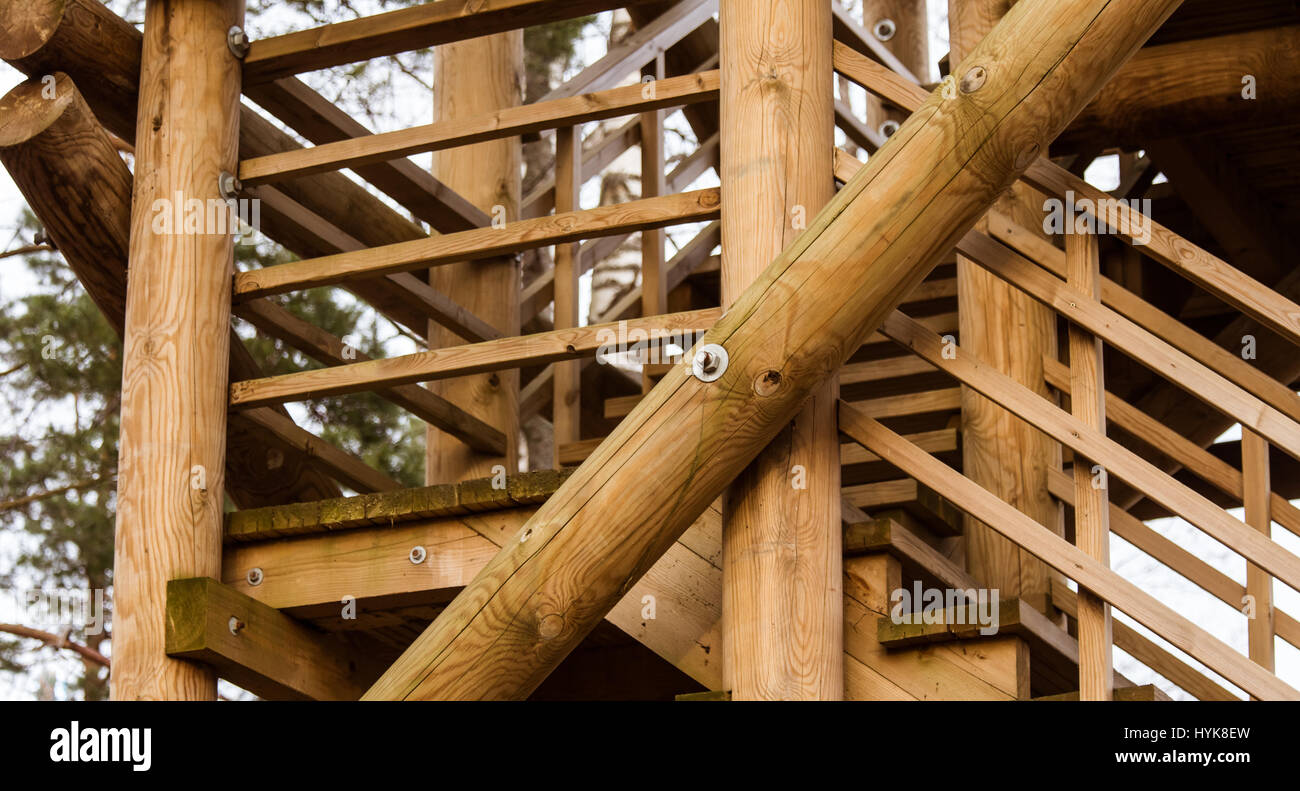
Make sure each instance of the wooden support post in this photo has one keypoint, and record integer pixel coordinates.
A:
(473, 78)
(782, 611)
(1012, 332)
(786, 336)
(654, 290)
(1091, 501)
(566, 405)
(1260, 628)
(171, 455)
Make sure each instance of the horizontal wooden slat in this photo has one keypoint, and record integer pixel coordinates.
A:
(698, 206)
(508, 122)
(538, 349)
(1068, 559)
(425, 25)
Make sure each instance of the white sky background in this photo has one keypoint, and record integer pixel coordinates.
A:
(410, 105)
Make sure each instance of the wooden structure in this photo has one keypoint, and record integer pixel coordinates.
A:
(913, 385)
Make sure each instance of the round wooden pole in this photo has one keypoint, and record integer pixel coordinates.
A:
(174, 380)
(782, 601)
(471, 78)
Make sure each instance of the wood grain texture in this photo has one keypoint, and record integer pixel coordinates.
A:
(566, 405)
(472, 78)
(786, 335)
(1261, 622)
(172, 448)
(782, 558)
(1091, 502)
(1070, 560)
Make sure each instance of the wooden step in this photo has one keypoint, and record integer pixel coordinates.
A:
(921, 502)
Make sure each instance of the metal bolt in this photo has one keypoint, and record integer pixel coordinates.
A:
(709, 363)
(974, 80)
(884, 29)
(237, 40)
(228, 186)
(235, 625)
(418, 554)
(254, 576)
(888, 128)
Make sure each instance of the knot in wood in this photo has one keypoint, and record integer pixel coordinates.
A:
(973, 80)
(550, 626)
(767, 383)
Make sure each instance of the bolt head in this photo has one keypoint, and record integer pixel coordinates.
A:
(237, 40)
(254, 576)
(973, 80)
(417, 555)
(709, 362)
(884, 29)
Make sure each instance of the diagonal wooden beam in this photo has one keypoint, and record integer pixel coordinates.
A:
(508, 122)
(789, 332)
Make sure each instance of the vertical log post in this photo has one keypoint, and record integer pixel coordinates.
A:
(566, 405)
(1256, 480)
(476, 77)
(654, 290)
(1091, 502)
(782, 610)
(1011, 331)
(177, 341)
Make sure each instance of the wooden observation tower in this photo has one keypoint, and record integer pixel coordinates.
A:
(889, 377)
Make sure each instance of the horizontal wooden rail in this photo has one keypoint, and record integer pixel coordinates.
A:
(1118, 460)
(1199, 461)
(329, 350)
(424, 25)
(504, 353)
(698, 206)
(1142, 346)
(508, 122)
(1064, 557)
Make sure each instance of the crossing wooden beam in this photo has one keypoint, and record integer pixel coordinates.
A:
(789, 332)
(507, 122)
(417, 27)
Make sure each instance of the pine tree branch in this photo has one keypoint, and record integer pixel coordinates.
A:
(56, 641)
(31, 498)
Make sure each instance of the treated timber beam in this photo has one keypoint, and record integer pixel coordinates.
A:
(698, 206)
(782, 569)
(424, 25)
(259, 648)
(1091, 444)
(345, 467)
(1181, 561)
(506, 122)
(786, 335)
(321, 121)
(1070, 560)
(176, 347)
(68, 169)
(1144, 347)
(1192, 87)
(329, 350)
(502, 354)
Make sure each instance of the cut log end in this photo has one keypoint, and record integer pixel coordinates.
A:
(28, 25)
(33, 106)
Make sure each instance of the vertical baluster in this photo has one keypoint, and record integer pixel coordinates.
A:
(566, 404)
(1259, 585)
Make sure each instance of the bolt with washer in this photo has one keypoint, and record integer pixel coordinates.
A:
(418, 554)
(254, 576)
(884, 29)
